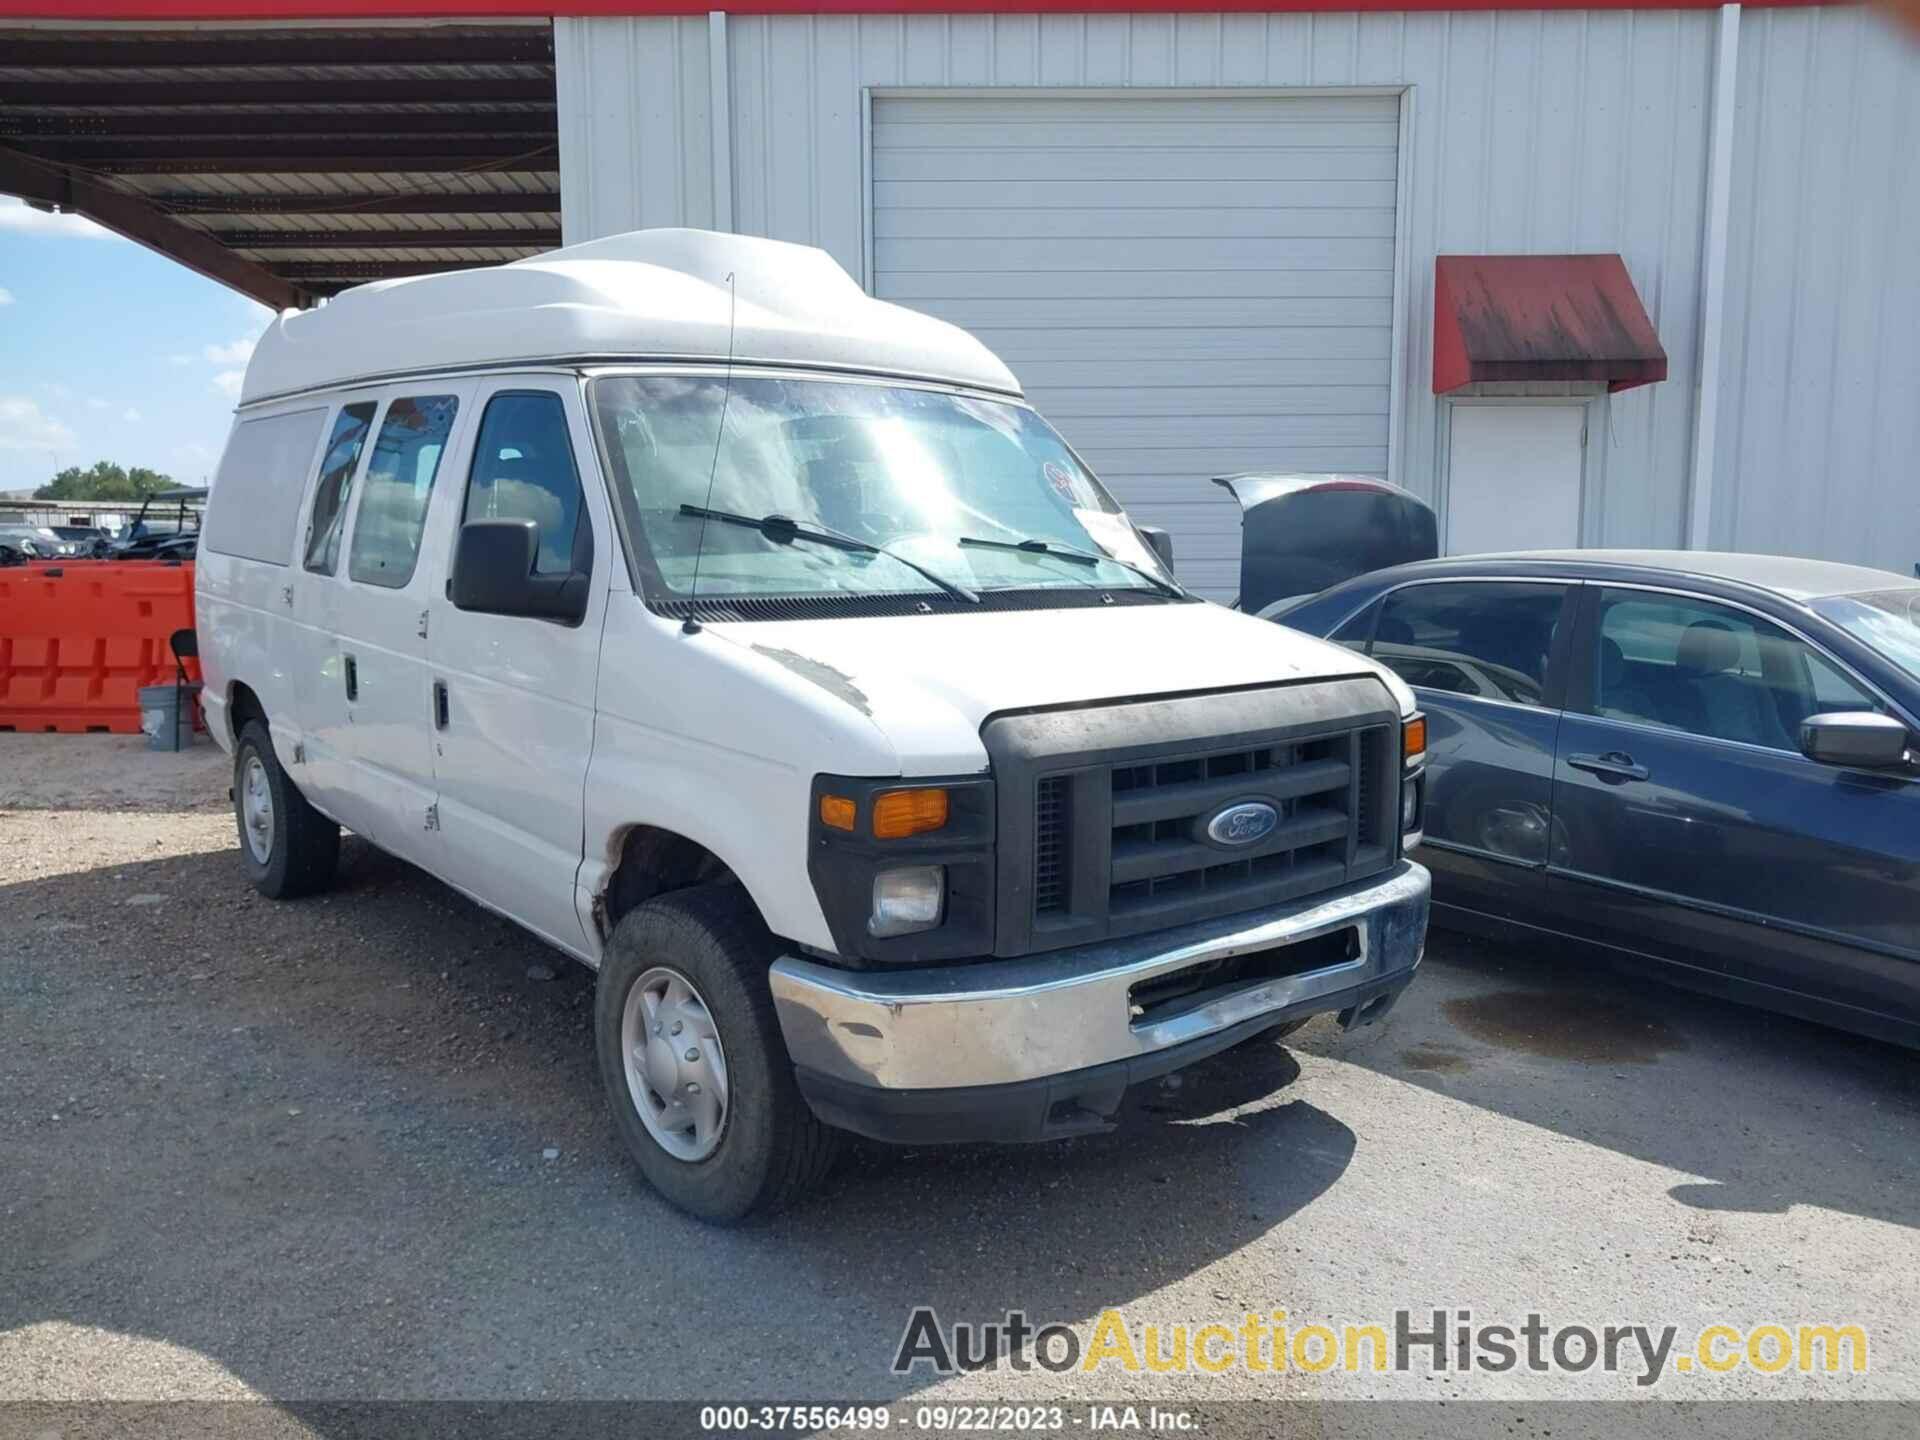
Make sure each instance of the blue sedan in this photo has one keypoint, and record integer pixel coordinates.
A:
(1708, 761)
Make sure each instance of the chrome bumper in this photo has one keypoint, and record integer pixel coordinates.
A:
(1001, 1022)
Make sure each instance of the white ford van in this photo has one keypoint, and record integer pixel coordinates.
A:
(754, 642)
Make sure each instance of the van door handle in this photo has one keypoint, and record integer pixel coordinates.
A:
(1615, 767)
(439, 704)
(352, 673)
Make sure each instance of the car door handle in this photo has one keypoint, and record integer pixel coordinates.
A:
(351, 672)
(439, 704)
(1615, 766)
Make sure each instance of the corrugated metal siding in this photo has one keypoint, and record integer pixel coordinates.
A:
(1819, 431)
(636, 142)
(1562, 131)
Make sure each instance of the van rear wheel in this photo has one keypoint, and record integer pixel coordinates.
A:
(288, 847)
(694, 1066)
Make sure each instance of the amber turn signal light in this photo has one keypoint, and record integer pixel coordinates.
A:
(1413, 741)
(837, 812)
(900, 813)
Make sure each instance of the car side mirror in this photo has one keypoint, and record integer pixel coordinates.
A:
(1855, 737)
(493, 574)
(1158, 541)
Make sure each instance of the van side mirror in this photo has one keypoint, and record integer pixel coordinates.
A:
(493, 574)
(1158, 541)
(1855, 737)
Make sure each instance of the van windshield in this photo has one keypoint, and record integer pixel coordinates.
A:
(908, 473)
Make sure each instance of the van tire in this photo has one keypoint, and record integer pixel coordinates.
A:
(303, 849)
(771, 1149)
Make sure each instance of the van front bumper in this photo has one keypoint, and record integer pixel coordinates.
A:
(1045, 1046)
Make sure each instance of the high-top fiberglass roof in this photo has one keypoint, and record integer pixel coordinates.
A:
(648, 295)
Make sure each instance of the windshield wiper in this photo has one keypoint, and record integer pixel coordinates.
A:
(784, 531)
(1078, 556)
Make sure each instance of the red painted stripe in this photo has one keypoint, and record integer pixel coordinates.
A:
(294, 10)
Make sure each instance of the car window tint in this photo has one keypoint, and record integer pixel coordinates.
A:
(1488, 639)
(1711, 670)
(349, 437)
(393, 502)
(523, 469)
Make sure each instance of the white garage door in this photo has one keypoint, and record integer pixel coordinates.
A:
(1187, 286)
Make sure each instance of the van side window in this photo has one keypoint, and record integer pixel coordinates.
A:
(261, 477)
(349, 436)
(393, 503)
(523, 469)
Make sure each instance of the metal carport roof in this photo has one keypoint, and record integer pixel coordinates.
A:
(293, 160)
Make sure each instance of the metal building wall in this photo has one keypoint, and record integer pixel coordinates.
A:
(636, 132)
(1819, 427)
(1528, 131)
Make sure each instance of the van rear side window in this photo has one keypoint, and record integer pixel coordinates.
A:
(330, 495)
(256, 494)
(393, 502)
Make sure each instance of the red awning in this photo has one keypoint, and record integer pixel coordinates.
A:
(1540, 317)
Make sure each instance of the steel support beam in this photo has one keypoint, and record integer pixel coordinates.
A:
(40, 128)
(348, 90)
(522, 45)
(544, 239)
(443, 202)
(35, 182)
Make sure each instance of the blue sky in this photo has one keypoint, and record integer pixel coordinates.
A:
(111, 352)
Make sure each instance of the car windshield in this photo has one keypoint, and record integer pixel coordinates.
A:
(909, 473)
(1888, 620)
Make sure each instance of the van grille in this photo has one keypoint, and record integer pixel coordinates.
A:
(1107, 812)
(1159, 844)
(1050, 846)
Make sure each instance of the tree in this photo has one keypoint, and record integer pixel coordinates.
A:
(105, 481)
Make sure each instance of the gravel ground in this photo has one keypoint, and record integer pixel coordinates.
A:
(299, 1151)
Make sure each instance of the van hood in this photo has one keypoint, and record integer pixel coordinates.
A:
(929, 682)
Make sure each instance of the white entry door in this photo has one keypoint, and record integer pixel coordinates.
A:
(1513, 478)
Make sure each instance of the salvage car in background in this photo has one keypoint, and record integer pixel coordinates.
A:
(1706, 760)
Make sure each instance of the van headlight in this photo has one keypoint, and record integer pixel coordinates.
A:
(907, 900)
(904, 868)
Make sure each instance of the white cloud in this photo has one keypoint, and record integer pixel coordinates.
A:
(22, 219)
(130, 415)
(228, 383)
(234, 352)
(25, 426)
(6, 296)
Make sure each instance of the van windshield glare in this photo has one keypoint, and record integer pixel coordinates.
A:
(905, 470)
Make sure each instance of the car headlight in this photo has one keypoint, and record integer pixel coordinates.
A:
(907, 900)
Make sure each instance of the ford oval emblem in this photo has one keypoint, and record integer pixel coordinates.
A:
(1243, 824)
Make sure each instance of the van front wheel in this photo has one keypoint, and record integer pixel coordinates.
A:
(288, 847)
(693, 1063)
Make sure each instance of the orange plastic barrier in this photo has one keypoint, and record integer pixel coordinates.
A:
(79, 639)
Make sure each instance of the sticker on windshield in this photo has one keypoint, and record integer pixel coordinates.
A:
(1062, 481)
